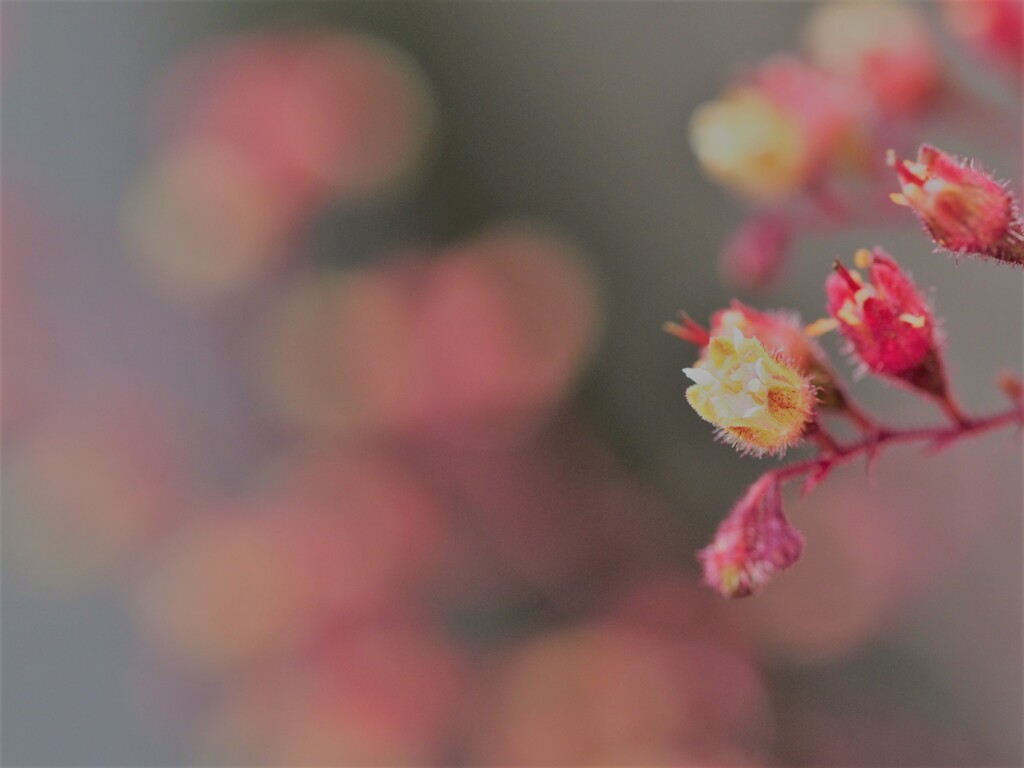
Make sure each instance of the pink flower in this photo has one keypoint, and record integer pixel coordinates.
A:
(887, 321)
(963, 209)
(753, 543)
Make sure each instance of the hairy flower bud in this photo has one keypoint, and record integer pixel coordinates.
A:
(887, 321)
(752, 544)
(779, 332)
(782, 335)
(963, 209)
(759, 402)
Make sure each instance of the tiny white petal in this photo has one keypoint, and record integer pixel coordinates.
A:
(700, 376)
(737, 336)
(752, 411)
(759, 369)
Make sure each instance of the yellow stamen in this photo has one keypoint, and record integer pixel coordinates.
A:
(821, 327)
(914, 321)
(848, 314)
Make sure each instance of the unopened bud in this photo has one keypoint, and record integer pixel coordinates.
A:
(963, 209)
(752, 544)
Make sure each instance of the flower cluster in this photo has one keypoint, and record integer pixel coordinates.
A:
(766, 384)
(798, 137)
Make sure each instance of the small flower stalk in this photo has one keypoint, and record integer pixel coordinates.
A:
(753, 543)
(759, 401)
(964, 210)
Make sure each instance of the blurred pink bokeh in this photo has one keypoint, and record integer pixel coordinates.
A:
(370, 501)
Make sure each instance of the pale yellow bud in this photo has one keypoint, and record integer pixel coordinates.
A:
(747, 143)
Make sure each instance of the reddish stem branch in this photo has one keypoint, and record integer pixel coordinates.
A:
(938, 436)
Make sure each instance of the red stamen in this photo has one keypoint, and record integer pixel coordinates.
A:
(845, 274)
(690, 330)
(908, 175)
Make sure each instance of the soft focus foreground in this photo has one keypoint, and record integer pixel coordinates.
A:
(334, 421)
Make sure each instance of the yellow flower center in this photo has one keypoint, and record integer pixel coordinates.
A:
(759, 403)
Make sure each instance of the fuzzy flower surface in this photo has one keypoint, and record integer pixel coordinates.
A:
(752, 544)
(759, 402)
(782, 335)
(778, 331)
(963, 209)
(886, 320)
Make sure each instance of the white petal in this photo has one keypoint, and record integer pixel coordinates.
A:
(759, 369)
(700, 376)
(752, 411)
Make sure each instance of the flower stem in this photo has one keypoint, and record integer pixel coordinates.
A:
(937, 436)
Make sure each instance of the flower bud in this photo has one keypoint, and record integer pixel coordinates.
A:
(782, 335)
(887, 321)
(779, 332)
(963, 209)
(753, 543)
(760, 403)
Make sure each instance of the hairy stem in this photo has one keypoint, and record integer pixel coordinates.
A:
(937, 436)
